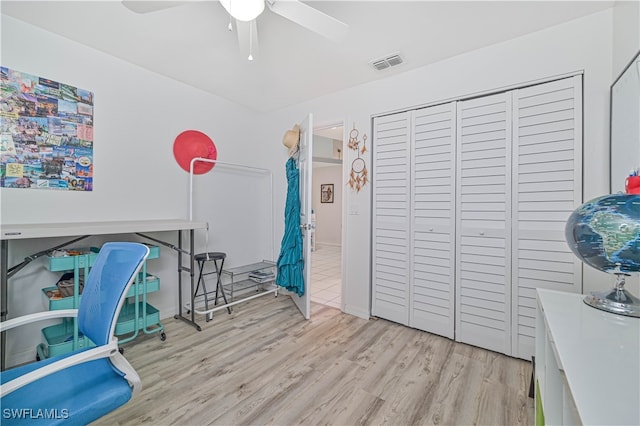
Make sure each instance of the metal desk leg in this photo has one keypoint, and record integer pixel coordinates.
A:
(4, 266)
(191, 270)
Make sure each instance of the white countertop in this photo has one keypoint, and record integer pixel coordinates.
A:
(600, 355)
(44, 230)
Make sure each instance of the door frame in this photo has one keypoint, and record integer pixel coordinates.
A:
(343, 215)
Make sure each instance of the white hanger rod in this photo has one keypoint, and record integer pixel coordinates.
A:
(243, 166)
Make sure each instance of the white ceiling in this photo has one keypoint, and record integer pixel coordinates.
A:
(191, 43)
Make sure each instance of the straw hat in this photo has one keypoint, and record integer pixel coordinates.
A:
(191, 144)
(291, 139)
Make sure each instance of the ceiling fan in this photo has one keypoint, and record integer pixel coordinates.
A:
(245, 12)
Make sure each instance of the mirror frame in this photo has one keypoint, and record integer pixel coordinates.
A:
(634, 59)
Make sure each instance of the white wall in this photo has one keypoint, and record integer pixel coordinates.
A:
(138, 114)
(626, 34)
(626, 44)
(581, 45)
(328, 215)
(322, 147)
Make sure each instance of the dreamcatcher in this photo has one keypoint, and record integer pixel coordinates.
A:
(358, 177)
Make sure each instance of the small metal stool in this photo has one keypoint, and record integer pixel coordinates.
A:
(202, 258)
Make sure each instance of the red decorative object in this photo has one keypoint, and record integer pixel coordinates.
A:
(191, 144)
(632, 185)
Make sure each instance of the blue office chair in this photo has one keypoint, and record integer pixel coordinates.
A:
(82, 386)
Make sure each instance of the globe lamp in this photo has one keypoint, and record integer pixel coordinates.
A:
(605, 234)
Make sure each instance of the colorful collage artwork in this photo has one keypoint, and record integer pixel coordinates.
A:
(46, 133)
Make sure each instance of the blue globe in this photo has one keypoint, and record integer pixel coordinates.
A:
(605, 232)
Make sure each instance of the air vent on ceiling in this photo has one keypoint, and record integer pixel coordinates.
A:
(389, 61)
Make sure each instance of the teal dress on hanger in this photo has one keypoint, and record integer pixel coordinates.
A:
(291, 261)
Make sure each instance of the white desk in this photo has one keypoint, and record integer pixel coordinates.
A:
(84, 229)
(45, 230)
(587, 362)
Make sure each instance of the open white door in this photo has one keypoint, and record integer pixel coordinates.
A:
(306, 168)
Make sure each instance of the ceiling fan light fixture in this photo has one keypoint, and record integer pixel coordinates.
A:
(243, 10)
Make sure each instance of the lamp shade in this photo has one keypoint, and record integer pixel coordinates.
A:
(243, 10)
(192, 144)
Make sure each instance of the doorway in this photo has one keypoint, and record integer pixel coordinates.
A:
(326, 239)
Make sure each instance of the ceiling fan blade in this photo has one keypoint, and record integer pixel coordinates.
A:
(248, 38)
(310, 18)
(139, 6)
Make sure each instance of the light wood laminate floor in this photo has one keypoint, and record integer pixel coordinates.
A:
(264, 364)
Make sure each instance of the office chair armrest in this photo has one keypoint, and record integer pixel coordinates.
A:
(104, 351)
(38, 316)
(121, 363)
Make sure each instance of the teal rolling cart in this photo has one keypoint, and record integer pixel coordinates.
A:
(136, 315)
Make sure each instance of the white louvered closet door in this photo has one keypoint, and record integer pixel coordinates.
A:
(391, 202)
(483, 283)
(547, 176)
(433, 219)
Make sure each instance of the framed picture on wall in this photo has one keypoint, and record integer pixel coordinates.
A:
(46, 133)
(326, 193)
